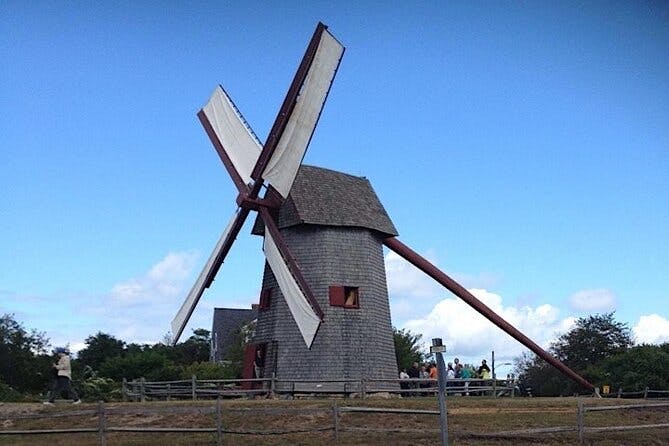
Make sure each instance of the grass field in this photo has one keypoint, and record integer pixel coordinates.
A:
(472, 421)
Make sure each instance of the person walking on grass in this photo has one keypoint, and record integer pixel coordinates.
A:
(63, 380)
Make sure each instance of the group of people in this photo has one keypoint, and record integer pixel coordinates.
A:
(454, 370)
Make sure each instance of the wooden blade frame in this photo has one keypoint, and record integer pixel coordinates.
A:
(424, 265)
(207, 275)
(248, 196)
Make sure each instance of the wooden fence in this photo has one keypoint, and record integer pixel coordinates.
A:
(141, 390)
(103, 412)
(583, 409)
(645, 394)
(101, 426)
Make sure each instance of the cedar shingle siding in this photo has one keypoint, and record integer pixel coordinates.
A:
(333, 224)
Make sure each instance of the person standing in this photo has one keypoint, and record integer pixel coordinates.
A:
(63, 378)
(414, 373)
(484, 370)
(457, 368)
(404, 375)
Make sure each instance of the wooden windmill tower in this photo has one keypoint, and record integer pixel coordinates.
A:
(324, 309)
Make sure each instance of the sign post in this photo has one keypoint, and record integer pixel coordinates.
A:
(438, 348)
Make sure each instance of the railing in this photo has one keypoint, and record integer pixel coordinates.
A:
(645, 394)
(583, 409)
(103, 412)
(141, 390)
(107, 419)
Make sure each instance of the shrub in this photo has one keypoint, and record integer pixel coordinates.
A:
(8, 394)
(209, 370)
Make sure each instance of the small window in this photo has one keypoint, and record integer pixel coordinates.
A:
(351, 297)
(264, 299)
(344, 296)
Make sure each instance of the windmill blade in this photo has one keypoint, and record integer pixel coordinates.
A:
(236, 144)
(319, 64)
(282, 166)
(208, 273)
(417, 260)
(305, 316)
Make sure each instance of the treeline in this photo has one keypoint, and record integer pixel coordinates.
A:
(602, 350)
(599, 348)
(99, 368)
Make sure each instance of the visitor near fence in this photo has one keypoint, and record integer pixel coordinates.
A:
(450, 372)
(404, 375)
(62, 384)
(457, 367)
(414, 373)
(484, 370)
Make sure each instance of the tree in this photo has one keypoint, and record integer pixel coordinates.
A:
(149, 364)
(99, 348)
(24, 363)
(194, 349)
(235, 352)
(637, 368)
(407, 348)
(583, 348)
(593, 339)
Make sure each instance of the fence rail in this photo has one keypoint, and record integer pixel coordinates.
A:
(336, 426)
(583, 409)
(141, 390)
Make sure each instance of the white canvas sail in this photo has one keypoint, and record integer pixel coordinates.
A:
(237, 139)
(181, 319)
(282, 167)
(305, 317)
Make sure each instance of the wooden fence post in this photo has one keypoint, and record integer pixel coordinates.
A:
(169, 392)
(620, 392)
(194, 386)
(102, 424)
(142, 390)
(272, 386)
(580, 419)
(645, 393)
(363, 389)
(219, 422)
(335, 417)
(494, 387)
(124, 389)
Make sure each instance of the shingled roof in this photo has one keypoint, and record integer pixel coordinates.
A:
(330, 198)
(227, 321)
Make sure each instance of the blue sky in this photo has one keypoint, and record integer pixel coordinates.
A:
(522, 146)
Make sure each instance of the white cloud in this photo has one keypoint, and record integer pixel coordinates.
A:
(162, 282)
(421, 305)
(140, 309)
(469, 334)
(651, 329)
(408, 281)
(596, 300)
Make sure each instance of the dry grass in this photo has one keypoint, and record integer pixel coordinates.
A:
(469, 420)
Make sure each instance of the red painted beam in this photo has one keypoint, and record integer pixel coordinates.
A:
(424, 265)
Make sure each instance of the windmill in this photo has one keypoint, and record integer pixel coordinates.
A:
(324, 308)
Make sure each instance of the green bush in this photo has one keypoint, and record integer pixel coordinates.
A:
(98, 388)
(8, 394)
(209, 370)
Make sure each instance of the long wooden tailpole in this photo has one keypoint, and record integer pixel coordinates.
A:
(424, 265)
